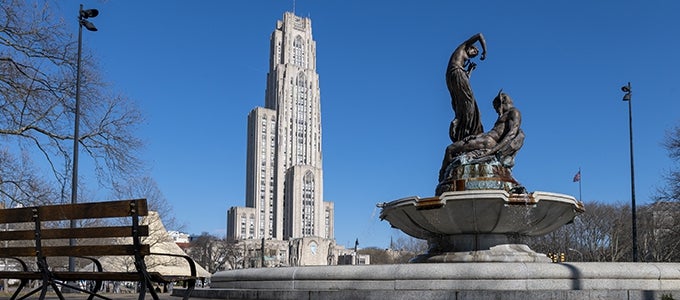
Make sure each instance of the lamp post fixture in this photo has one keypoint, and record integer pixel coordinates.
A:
(83, 15)
(627, 97)
(579, 252)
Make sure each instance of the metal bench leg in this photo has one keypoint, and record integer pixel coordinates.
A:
(23, 283)
(56, 290)
(152, 291)
(191, 286)
(43, 291)
(31, 293)
(142, 290)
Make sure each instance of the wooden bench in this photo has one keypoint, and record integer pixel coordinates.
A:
(39, 234)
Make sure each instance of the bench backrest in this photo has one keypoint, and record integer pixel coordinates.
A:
(105, 240)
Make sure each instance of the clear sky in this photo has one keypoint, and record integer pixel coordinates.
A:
(197, 68)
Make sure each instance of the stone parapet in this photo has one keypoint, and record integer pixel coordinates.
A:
(454, 281)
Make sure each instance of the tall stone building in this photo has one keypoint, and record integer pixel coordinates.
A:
(284, 172)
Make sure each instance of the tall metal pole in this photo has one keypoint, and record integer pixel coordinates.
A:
(76, 138)
(628, 97)
(82, 16)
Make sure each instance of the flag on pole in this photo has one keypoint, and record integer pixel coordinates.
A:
(577, 178)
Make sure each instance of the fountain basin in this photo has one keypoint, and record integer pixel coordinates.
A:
(459, 224)
(481, 211)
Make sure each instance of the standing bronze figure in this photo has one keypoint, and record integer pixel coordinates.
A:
(467, 121)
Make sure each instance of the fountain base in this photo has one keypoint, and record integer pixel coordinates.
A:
(505, 281)
(498, 253)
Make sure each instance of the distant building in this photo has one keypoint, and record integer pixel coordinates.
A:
(354, 259)
(284, 174)
(179, 237)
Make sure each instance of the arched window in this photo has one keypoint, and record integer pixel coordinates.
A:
(299, 56)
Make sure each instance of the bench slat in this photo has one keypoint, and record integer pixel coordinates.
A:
(60, 212)
(89, 250)
(78, 275)
(20, 275)
(83, 232)
(116, 276)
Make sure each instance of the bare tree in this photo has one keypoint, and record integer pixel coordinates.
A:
(409, 244)
(659, 231)
(671, 192)
(602, 233)
(661, 235)
(19, 183)
(37, 90)
(558, 241)
(213, 253)
(146, 187)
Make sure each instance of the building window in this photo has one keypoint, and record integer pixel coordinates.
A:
(251, 231)
(243, 226)
(302, 113)
(278, 52)
(327, 222)
(308, 204)
(299, 56)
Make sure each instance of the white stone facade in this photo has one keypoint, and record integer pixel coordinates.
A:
(179, 237)
(284, 174)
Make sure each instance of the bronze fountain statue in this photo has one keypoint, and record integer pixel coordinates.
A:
(479, 209)
(471, 145)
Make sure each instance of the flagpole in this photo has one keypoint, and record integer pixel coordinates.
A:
(580, 197)
(577, 177)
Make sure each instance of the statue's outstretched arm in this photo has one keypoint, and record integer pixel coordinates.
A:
(478, 38)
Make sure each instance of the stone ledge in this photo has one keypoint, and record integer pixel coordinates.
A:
(453, 271)
(430, 295)
(507, 281)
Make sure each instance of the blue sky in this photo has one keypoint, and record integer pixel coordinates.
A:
(197, 68)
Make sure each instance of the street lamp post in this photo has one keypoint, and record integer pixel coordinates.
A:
(627, 97)
(579, 252)
(83, 15)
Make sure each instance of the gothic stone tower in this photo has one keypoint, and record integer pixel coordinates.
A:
(284, 174)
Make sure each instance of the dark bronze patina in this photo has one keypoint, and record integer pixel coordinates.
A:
(477, 156)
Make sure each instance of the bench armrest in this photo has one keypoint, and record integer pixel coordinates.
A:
(21, 261)
(94, 260)
(192, 264)
(192, 281)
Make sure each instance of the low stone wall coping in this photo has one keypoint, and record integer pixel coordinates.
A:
(458, 276)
